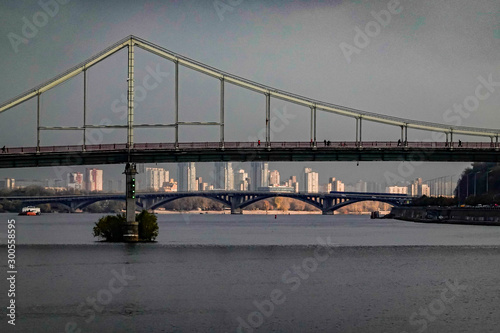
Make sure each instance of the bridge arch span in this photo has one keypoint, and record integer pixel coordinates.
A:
(258, 198)
(84, 204)
(164, 201)
(353, 201)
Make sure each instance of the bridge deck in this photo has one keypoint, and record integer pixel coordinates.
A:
(248, 151)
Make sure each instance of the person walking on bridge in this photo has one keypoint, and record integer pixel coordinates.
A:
(3, 149)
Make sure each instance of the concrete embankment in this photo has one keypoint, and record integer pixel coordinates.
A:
(448, 215)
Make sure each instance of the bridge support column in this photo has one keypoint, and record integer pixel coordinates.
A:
(145, 203)
(327, 203)
(406, 135)
(84, 107)
(268, 120)
(131, 227)
(72, 206)
(176, 104)
(38, 122)
(222, 112)
(235, 203)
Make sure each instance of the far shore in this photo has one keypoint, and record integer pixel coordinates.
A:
(245, 212)
(259, 212)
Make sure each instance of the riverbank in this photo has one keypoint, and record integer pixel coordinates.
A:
(259, 212)
(448, 215)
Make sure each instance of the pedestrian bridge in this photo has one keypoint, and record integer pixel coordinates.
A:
(92, 151)
(236, 200)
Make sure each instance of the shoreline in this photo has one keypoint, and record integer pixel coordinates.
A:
(257, 212)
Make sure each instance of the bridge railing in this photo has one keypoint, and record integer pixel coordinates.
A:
(252, 145)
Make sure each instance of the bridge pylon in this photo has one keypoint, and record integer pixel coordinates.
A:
(131, 227)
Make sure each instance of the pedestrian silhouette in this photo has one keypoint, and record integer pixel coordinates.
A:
(328, 143)
(258, 143)
(3, 149)
(460, 143)
(399, 142)
(324, 142)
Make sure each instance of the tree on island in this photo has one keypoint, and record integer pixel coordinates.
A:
(110, 227)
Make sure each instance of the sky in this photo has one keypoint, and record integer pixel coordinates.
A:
(418, 60)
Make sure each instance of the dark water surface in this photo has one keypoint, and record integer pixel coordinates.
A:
(215, 273)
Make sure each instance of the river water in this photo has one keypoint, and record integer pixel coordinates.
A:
(254, 273)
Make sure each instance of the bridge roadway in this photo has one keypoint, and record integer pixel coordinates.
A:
(236, 200)
(249, 151)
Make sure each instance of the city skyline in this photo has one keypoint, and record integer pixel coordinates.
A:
(186, 179)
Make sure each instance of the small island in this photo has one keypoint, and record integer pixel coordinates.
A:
(110, 227)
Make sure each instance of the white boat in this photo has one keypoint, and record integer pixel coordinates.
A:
(30, 210)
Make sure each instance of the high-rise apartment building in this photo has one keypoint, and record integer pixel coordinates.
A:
(224, 176)
(187, 177)
(311, 181)
(335, 185)
(93, 180)
(75, 181)
(292, 182)
(274, 178)
(8, 183)
(155, 178)
(259, 175)
(241, 180)
(361, 186)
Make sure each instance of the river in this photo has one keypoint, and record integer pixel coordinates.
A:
(254, 273)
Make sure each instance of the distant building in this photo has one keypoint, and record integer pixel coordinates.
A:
(155, 178)
(7, 183)
(374, 187)
(426, 190)
(21, 183)
(93, 180)
(361, 186)
(415, 188)
(397, 189)
(274, 178)
(224, 176)
(241, 180)
(311, 181)
(285, 189)
(75, 181)
(335, 185)
(259, 175)
(292, 182)
(187, 177)
(170, 186)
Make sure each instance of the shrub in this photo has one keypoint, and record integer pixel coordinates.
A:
(111, 227)
(148, 227)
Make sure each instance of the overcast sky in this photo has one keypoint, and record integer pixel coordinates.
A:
(427, 56)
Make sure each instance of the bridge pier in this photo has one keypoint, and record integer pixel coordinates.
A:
(236, 201)
(327, 204)
(130, 227)
(72, 206)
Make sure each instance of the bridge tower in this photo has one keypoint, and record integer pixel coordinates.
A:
(131, 227)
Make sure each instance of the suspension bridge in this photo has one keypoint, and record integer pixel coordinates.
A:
(131, 152)
(146, 152)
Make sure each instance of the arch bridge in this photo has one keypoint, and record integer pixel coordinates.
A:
(236, 200)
